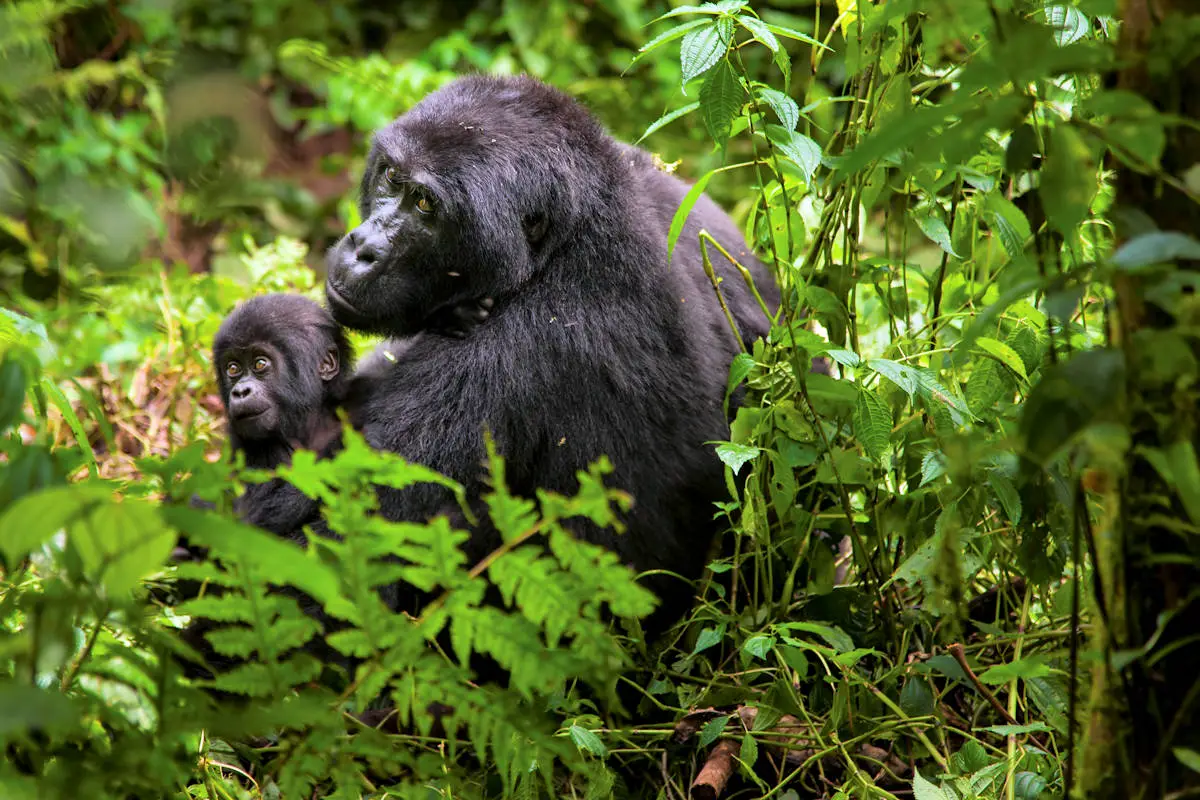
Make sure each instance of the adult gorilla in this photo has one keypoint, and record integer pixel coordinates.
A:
(505, 188)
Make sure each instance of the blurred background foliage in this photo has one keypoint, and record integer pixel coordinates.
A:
(962, 565)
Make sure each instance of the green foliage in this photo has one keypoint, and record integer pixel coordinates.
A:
(928, 184)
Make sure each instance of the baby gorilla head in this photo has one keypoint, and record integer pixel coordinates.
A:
(283, 366)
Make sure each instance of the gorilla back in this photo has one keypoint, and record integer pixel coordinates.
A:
(506, 188)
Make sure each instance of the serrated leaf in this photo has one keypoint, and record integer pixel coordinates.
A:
(932, 226)
(1068, 180)
(899, 374)
(924, 790)
(701, 50)
(1028, 667)
(803, 151)
(933, 466)
(784, 107)
(759, 30)
(668, 118)
(1002, 353)
(741, 366)
(588, 741)
(748, 753)
(713, 9)
(712, 729)
(671, 35)
(872, 421)
(847, 358)
(1008, 223)
(721, 99)
(685, 208)
(784, 62)
(735, 455)
(1158, 247)
(791, 33)
(1016, 730)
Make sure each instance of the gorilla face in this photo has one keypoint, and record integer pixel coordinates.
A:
(281, 367)
(461, 199)
(387, 275)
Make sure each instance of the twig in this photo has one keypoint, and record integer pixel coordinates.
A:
(956, 650)
(716, 772)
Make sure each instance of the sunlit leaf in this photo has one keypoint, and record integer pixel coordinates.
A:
(721, 99)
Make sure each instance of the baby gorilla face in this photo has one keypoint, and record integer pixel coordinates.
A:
(252, 378)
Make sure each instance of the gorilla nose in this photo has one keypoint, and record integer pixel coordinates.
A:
(240, 392)
(369, 248)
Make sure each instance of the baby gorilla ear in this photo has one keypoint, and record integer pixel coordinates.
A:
(328, 368)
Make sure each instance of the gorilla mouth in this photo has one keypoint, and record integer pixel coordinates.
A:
(245, 415)
(343, 310)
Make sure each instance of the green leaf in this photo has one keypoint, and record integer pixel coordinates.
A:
(671, 35)
(1028, 785)
(872, 423)
(1002, 353)
(708, 638)
(1068, 398)
(834, 636)
(1185, 474)
(935, 229)
(1016, 730)
(721, 98)
(784, 107)
(1006, 493)
(668, 118)
(1068, 181)
(1129, 125)
(1028, 667)
(735, 455)
(28, 708)
(933, 466)
(847, 358)
(587, 741)
(924, 790)
(120, 543)
(741, 366)
(1070, 25)
(916, 698)
(31, 521)
(1188, 757)
(790, 33)
(702, 49)
(1158, 247)
(1008, 223)
(712, 729)
(685, 208)
(724, 7)
(801, 150)
(759, 30)
(69, 416)
(748, 753)
(759, 645)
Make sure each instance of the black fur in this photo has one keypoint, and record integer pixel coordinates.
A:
(506, 188)
(297, 397)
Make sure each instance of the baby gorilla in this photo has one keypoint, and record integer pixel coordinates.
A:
(283, 367)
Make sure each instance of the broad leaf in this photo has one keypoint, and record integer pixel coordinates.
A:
(721, 99)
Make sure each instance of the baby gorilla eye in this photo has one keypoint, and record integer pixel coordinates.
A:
(261, 363)
(425, 203)
(392, 176)
(233, 369)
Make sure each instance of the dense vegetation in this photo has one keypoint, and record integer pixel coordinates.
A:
(963, 565)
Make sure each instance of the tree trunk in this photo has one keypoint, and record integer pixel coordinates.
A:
(1148, 563)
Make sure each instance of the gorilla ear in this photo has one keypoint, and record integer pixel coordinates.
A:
(329, 367)
(535, 226)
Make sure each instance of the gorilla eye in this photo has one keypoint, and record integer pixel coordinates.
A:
(233, 369)
(425, 204)
(261, 364)
(392, 176)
